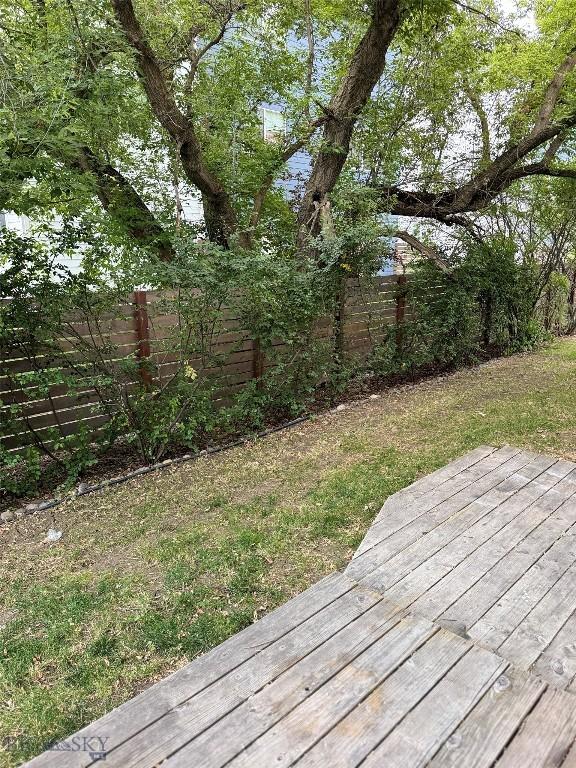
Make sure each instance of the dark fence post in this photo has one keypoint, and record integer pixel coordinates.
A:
(400, 312)
(142, 329)
(339, 317)
(257, 362)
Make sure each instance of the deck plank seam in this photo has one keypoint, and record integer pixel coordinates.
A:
(380, 523)
(448, 521)
(394, 620)
(464, 490)
(534, 564)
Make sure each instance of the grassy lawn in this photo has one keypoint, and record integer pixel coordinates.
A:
(151, 573)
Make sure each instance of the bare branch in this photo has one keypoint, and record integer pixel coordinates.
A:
(197, 56)
(425, 250)
(478, 107)
(553, 92)
(487, 17)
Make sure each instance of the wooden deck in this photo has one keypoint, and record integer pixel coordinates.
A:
(450, 640)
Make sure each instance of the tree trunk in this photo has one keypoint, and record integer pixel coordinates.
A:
(342, 113)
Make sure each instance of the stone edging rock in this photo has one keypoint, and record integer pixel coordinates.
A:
(83, 489)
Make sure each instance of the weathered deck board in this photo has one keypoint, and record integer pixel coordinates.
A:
(479, 498)
(288, 740)
(246, 723)
(439, 581)
(537, 630)
(491, 725)
(398, 515)
(181, 724)
(375, 717)
(546, 735)
(446, 642)
(421, 734)
(131, 719)
(504, 625)
(456, 519)
(423, 485)
(475, 584)
(557, 664)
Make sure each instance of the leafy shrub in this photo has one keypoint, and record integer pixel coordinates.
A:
(484, 305)
(68, 332)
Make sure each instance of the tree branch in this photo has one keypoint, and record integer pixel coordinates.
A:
(425, 250)
(476, 193)
(364, 71)
(541, 169)
(477, 106)
(286, 154)
(311, 54)
(553, 92)
(219, 214)
(487, 17)
(553, 148)
(119, 198)
(198, 55)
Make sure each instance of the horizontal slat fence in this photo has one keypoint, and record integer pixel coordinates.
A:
(138, 330)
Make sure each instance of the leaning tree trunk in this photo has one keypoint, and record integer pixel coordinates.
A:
(342, 113)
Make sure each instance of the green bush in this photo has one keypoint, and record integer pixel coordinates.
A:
(165, 403)
(483, 305)
(159, 403)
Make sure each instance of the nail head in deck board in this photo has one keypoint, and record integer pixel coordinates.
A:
(546, 735)
(422, 732)
(488, 728)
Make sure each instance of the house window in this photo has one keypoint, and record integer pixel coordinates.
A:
(2, 220)
(273, 124)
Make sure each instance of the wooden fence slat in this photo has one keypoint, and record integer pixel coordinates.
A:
(140, 327)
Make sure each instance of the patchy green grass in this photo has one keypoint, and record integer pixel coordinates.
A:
(151, 573)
